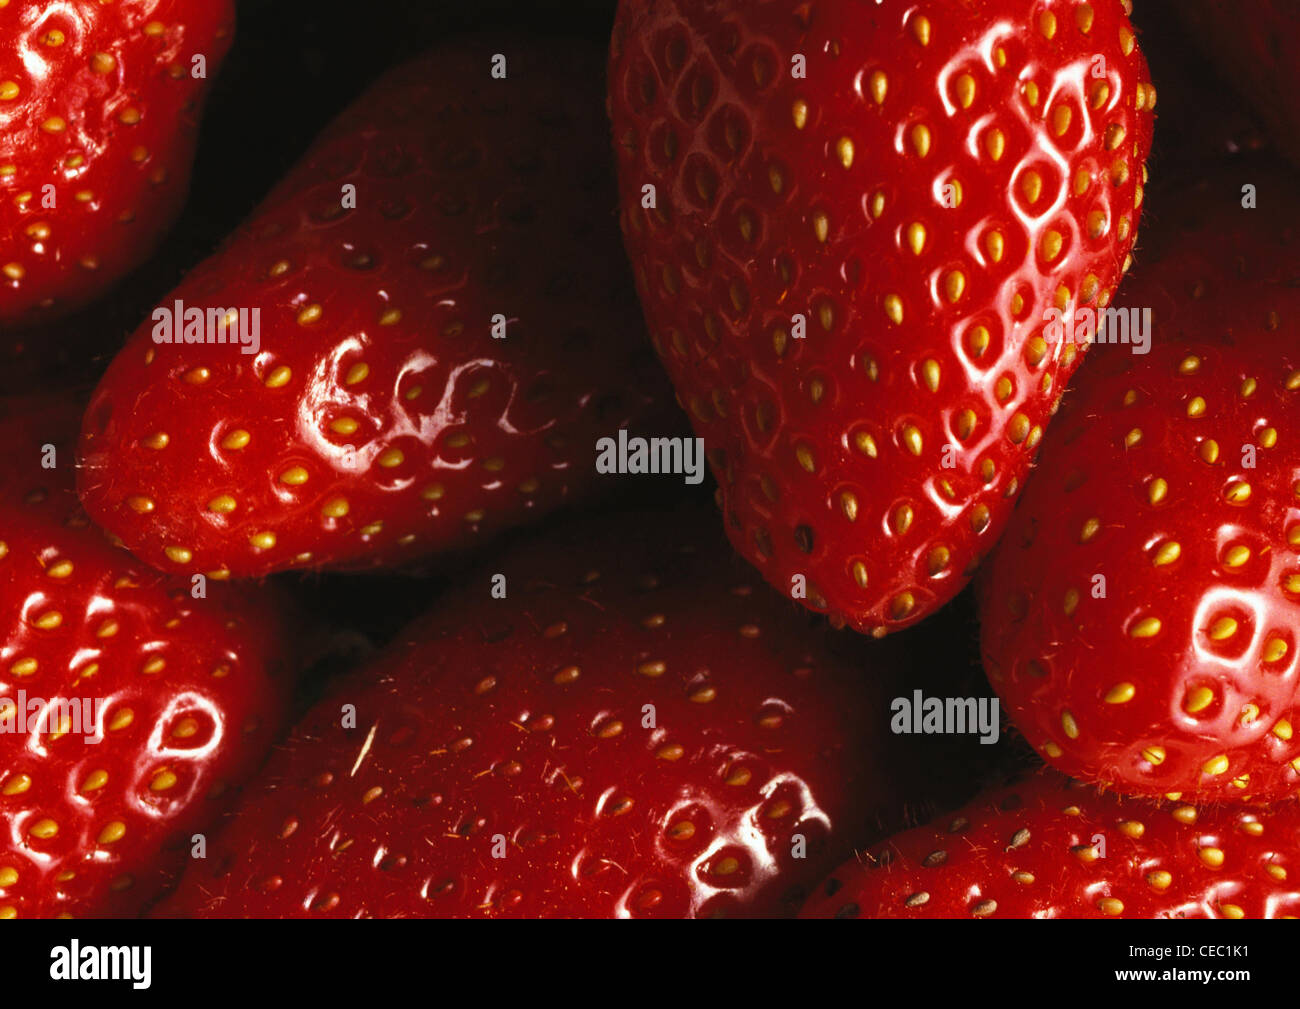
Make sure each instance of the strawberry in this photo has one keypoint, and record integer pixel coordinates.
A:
(1139, 617)
(185, 691)
(1049, 847)
(1254, 44)
(861, 213)
(379, 419)
(99, 108)
(639, 728)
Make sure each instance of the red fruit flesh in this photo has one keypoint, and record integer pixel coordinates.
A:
(189, 690)
(932, 184)
(380, 420)
(99, 108)
(1048, 847)
(1139, 617)
(501, 763)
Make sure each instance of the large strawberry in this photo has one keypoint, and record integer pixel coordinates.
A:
(183, 692)
(633, 726)
(445, 333)
(99, 107)
(1139, 616)
(1048, 847)
(848, 222)
(1255, 44)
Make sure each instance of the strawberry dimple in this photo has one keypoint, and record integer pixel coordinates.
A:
(846, 270)
(1138, 621)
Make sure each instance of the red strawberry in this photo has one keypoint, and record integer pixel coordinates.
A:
(185, 688)
(1049, 847)
(520, 725)
(99, 107)
(1255, 43)
(380, 420)
(940, 177)
(1139, 617)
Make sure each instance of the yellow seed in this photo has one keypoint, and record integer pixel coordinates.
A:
(894, 308)
(799, 111)
(336, 508)
(344, 426)
(1159, 879)
(921, 29)
(1069, 726)
(878, 85)
(1121, 693)
(1090, 529)
(236, 440)
(262, 540)
(1215, 765)
(1212, 857)
(1196, 406)
(1210, 451)
(1238, 492)
(1051, 245)
(357, 373)
(995, 143)
(912, 439)
(921, 139)
(1133, 828)
(112, 832)
(821, 226)
(309, 314)
(95, 780)
(391, 458)
(1111, 905)
(1031, 185)
(294, 476)
(1274, 649)
(1236, 556)
(1147, 627)
(1061, 117)
(156, 441)
(994, 245)
(1223, 628)
(1282, 729)
(162, 780)
(223, 504)
(178, 555)
(844, 149)
(279, 377)
(965, 90)
(1154, 755)
(44, 829)
(1157, 490)
(916, 237)
(1052, 750)
(1198, 699)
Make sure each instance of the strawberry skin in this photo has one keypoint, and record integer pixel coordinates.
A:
(190, 689)
(1139, 617)
(380, 420)
(524, 718)
(99, 114)
(941, 176)
(1049, 847)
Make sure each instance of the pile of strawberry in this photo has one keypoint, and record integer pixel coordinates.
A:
(314, 601)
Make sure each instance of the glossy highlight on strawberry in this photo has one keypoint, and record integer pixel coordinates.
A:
(187, 692)
(99, 108)
(1049, 847)
(847, 222)
(445, 331)
(1139, 617)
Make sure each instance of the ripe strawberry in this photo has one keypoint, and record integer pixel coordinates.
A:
(99, 107)
(940, 177)
(1138, 618)
(380, 420)
(520, 725)
(1254, 43)
(186, 688)
(1049, 847)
